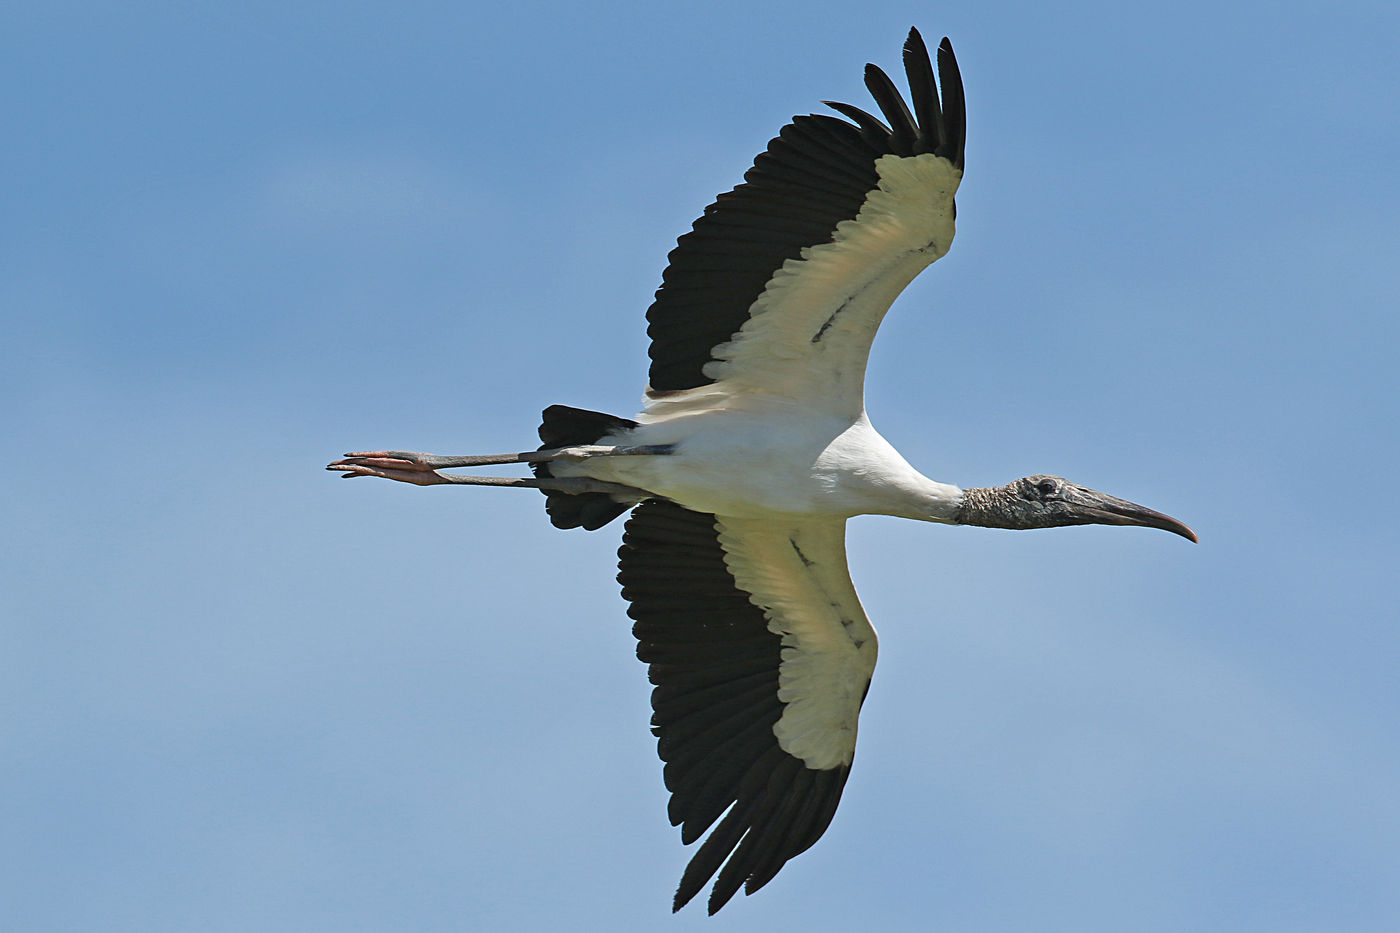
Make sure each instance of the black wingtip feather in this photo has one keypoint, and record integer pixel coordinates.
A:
(782, 799)
(712, 853)
(903, 132)
(872, 129)
(924, 91)
(938, 122)
(954, 102)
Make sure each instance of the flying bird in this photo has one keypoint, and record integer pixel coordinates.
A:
(751, 451)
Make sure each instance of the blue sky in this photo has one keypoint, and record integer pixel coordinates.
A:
(240, 694)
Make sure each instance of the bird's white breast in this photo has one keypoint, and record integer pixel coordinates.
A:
(753, 463)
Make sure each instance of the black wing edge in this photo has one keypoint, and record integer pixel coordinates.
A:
(941, 130)
(714, 664)
(816, 173)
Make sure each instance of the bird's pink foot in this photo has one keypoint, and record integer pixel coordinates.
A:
(399, 465)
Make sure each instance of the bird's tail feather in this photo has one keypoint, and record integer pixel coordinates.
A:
(571, 427)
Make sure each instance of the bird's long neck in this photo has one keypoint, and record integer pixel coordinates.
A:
(989, 507)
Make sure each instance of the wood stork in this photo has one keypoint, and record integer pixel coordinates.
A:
(752, 450)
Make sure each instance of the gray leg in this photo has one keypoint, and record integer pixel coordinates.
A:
(422, 469)
(407, 460)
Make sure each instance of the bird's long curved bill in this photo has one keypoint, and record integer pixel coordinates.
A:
(1097, 508)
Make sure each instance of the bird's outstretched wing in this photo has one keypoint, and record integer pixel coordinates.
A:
(782, 283)
(761, 656)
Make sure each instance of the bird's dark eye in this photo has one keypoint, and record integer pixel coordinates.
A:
(1046, 486)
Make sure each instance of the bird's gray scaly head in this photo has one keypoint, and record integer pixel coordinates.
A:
(1042, 501)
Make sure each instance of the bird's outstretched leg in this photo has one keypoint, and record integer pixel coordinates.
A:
(423, 469)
